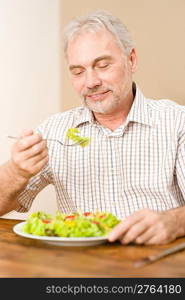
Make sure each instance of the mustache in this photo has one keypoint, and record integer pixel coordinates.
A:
(95, 90)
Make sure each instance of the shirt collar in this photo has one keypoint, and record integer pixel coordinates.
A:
(139, 111)
(86, 116)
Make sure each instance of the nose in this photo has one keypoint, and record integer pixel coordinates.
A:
(92, 79)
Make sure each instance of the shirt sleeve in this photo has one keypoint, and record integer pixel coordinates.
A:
(35, 185)
(180, 164)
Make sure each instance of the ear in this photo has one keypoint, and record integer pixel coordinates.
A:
(133, 60)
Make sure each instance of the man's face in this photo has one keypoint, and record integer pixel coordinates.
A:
(101, 72)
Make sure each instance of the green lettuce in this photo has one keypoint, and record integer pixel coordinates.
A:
(74, 135)
(72, 225)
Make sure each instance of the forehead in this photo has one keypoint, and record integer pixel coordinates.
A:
(87, 46)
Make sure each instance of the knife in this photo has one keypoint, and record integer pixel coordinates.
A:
(152, 258)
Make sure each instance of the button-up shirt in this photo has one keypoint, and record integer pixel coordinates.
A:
(139, 165)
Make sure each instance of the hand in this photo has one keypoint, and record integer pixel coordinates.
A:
(147, 227)
(29, 155)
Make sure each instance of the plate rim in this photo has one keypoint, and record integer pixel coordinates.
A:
(17, 230)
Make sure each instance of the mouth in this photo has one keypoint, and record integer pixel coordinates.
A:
(97, 96)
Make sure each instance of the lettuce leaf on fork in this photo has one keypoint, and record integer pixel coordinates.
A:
(74, 135)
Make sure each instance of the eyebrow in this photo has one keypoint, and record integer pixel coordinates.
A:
(71, 67)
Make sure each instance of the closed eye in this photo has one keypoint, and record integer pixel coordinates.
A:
(103, 66)
(76, 72)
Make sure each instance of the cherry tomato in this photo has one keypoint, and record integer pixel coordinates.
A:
(87, 214)
(46, 221)
(69, 217)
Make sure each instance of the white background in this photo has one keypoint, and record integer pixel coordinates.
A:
(30, 74)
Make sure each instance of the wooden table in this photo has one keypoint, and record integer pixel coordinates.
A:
(23, 257)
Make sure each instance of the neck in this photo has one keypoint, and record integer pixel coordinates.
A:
(116, 118)
(111, 121)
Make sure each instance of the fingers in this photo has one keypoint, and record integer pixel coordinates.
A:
(26, 161)
(125, 226)
(38, 165)
(29, 154)
(26, 132)
(163, 231)
(27, 142)
(152, 238)
(146, 236)
(146, 227)
(32, 151)
(133, 233)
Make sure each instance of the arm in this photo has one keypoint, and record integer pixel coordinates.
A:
(28, 156)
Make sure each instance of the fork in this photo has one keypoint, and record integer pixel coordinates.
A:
(52, 140)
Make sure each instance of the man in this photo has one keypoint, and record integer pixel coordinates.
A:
(134, 165)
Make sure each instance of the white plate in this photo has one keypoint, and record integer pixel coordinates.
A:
(59, 241)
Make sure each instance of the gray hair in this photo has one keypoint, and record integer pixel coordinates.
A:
(97, 21)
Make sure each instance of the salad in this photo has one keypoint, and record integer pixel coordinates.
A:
(70, 225)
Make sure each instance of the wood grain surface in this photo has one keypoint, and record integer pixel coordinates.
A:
(23, 257)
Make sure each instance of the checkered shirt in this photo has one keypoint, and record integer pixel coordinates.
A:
(139, 165)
